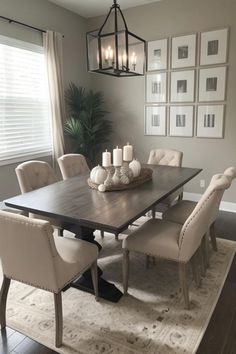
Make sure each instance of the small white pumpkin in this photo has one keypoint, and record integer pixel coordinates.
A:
(102, 188)
(98, 175)
(135, 166)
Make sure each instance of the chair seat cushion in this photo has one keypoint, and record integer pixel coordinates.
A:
(180, 211)
(155, 238)
(76, 251)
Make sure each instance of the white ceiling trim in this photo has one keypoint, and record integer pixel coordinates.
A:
(92, 8)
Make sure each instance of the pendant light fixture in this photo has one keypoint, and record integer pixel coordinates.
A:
(113, 49)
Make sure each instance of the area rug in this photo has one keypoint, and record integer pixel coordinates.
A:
(150, 320)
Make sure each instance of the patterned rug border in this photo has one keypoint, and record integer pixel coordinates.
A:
(50, 345)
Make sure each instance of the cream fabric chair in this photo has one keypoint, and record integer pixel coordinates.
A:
(181, 211)
(72, 165)
(173, 241)
(32, 255)
(33, 175)
(166, 157)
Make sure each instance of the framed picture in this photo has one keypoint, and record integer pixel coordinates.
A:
(214, 47)
(182, 86)
(157, 55)
(156, 87)
(181, 121)
(155, 120)
(210, 121)
(212, 83)
(183, 51)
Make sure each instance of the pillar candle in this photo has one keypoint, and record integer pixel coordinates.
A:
(117, 157)
(128, 152)
(106, 159)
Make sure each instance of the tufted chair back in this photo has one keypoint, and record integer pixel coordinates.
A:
(201, 218)
(27, 251)
(72, 165)
(230, 172)
(165, 157)
(32, 175)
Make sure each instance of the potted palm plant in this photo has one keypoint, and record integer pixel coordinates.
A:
(87, 124)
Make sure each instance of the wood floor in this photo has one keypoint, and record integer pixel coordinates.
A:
(219, 338)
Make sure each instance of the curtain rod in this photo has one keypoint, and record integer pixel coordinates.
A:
(22, 24)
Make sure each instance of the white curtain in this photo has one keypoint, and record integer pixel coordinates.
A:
(52, 42)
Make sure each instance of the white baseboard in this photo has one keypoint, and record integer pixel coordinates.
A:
(225, 206)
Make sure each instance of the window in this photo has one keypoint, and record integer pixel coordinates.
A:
(25, 118)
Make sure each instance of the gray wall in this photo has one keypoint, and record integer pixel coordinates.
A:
(125, 97)
(45, 15)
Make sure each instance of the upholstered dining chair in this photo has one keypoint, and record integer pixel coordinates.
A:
(32, 255)
(173, 241)
(72, 165)
(33, 175)
(166, 157)
(180, 212)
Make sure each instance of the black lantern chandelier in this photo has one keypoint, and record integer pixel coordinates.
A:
(113, 49)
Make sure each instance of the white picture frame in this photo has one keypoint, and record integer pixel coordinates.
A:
(155, 120)
(182, 86)
(183, 51)
(210, 121)
(181, 121)
(157, 55)
(156, 87)
(212, 84)
(214, 47)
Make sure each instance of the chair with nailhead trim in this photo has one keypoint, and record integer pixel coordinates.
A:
(166, 157)
(181, 211)
(32, 255)
(176, 242)
(72, 165)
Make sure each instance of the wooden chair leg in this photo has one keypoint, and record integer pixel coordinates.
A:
(153, 213)
(125, 270)
(3, 300)
(195, 269)
(205, 250)
(117, 237)
(206, 244)
(180, 197)
(213, 237)
(201, 251)
(184, 283)
(102, 234)
(58, 319)
(60, 232)
(94, 273)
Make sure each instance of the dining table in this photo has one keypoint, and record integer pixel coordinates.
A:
(74, 202)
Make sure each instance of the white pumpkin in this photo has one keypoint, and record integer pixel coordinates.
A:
(98, 175)
(135, 166)
(102, 188)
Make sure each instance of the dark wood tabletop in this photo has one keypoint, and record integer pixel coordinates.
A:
(73, 201)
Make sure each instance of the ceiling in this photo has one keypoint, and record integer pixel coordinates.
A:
(91, 8)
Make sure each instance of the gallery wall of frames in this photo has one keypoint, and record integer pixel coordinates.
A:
(186, 85)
